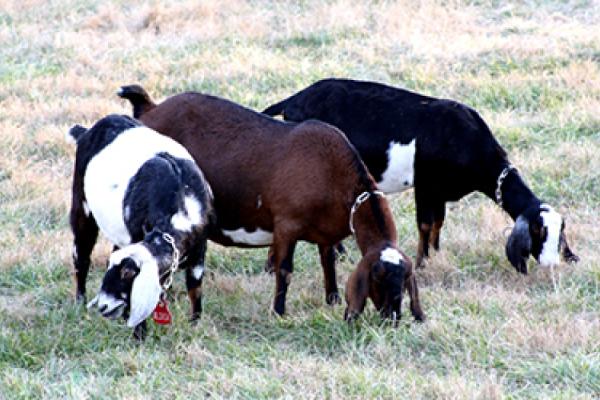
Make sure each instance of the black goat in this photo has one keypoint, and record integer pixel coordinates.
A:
(442, 148)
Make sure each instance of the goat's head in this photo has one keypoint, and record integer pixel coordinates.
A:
(131, 285)
(381, 277)
(539, 231)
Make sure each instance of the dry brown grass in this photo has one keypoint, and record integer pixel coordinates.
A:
(531, 69)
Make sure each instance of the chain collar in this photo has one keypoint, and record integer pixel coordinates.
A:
(499, 182)
(174, 264)
(359, 200)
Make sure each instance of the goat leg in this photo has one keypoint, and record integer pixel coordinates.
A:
(284, 267)
(415, 303)
(85, 232)
(327, 254)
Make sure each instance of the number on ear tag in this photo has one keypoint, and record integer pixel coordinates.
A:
(161, 314)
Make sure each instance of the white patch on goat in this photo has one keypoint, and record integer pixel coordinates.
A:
(86, 209)
(145, 294)
(189, 217)
(109, 172)
(553, 222)
(400, 172)
(127, 213)
(109, 301)
(74, 253)
(256, 238)
(198, 271)
(391, 255)
(137, 252)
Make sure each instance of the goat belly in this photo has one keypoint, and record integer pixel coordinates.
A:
(244, 237)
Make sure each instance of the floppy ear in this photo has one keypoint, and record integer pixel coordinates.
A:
(357, 290)
(145, 294)
(518, 247)
(378, 271)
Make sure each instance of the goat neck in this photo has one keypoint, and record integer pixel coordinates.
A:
(516, 195)
(374, 225)
(158, 243)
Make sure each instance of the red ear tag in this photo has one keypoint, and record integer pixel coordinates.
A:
(161, 314)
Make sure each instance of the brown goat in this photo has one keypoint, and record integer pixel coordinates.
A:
(275, 183)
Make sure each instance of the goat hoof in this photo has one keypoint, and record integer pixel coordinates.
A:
(140, 331)
(269, 268)
(350, 316)
(333, 299)
(80, 299)
(572, 258)
(195, 318)
(419, 317)
(278, 311)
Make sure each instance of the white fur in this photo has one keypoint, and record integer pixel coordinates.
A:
(390, 255)
(70, 139)
(189, 217)
(74, 253)
(137, 252)
(145, 294)
(256, 238)
(108, 300)
(127, 213)
(109, 172)
(400, 171)
(550, 252)
(198, 271)
(86, 209)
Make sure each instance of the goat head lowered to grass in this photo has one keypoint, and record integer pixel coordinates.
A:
(149, 198)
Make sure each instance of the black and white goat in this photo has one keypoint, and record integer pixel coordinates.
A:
(442, 148)
(149, 198)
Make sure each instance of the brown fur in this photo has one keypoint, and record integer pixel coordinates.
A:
(298, 181)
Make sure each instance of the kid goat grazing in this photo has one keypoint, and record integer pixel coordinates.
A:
(276, 183)
(148, 197)
(442, 148)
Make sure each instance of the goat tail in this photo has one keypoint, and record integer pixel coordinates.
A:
(138, 97)
(75, 133)
(277, 108)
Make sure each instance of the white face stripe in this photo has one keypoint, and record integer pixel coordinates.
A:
(189, 217)
(391, 255)
(553, 222)
(198, 271)
(109, 172)
(137, 252)
(400, 171)
(256, 238)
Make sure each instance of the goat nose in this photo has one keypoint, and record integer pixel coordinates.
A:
(102, 308)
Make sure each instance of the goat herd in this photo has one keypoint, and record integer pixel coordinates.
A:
(198, 167)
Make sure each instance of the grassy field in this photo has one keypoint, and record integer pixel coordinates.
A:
(531, 68)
